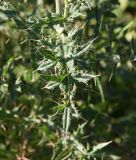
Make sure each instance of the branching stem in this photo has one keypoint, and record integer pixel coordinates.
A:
(66, 9)
(57, 2)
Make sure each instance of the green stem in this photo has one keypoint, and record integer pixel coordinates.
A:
(57, 2)
(66, 9)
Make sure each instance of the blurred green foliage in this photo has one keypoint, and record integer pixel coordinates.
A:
(107, 105)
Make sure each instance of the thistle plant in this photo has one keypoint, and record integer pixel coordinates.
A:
(61, 61)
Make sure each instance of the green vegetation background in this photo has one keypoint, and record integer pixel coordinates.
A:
(26, 125)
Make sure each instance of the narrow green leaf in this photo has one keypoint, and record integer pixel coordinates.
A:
(100, 89)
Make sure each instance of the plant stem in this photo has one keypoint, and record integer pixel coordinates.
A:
(66, 9)
(57, 2)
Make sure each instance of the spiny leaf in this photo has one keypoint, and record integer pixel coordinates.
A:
(66, 118)
(45, 65)
(100, 146)
(47, 54)
(82, 52)
(84, 77)
(52, 84)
